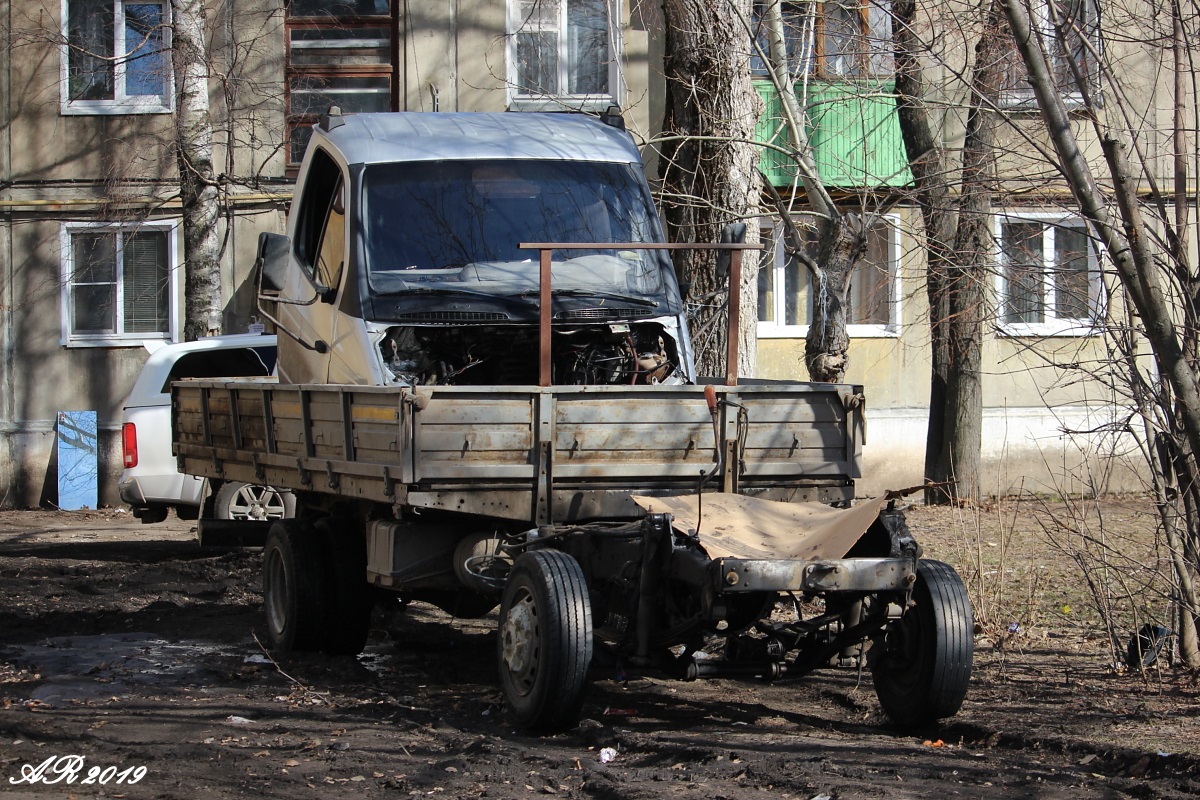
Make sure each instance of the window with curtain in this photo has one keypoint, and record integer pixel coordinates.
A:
(786, 293)
(1049, 280)
(118, 283)
(832, 40)
(1071, 28)
(117, 57)
(563, 53)
(340, 53)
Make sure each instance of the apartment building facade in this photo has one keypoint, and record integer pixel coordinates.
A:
(91, 251)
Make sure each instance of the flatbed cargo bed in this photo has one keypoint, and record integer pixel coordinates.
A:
(541, 454)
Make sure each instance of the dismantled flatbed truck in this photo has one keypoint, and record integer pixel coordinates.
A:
(487, 398)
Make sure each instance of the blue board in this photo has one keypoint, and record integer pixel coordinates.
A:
(78, 466)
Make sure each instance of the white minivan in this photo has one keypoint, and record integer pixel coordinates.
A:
(151, 482)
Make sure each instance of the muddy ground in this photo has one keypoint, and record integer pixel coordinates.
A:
(129, 647)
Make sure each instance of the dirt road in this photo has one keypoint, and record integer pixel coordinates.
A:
(127, 655)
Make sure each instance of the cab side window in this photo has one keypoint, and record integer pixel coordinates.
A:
(321, 233)
(332, 251)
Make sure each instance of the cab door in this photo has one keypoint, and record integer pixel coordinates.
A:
(308, 305)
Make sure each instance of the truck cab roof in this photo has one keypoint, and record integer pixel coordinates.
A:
(428, 136)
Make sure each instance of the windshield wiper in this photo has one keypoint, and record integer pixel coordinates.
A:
(640, 301)
(437, 291)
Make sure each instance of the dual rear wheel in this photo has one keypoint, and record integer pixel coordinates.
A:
(314, 587)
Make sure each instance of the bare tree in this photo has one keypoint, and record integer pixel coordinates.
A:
(957, 215)
(841, 238)
(203, 302)
(1145, 242)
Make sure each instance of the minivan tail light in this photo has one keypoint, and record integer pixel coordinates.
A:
(129, 445)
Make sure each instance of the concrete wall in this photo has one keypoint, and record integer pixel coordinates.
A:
(58, 168)
(1037, 396)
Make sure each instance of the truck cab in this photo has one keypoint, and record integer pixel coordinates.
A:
(402, 263)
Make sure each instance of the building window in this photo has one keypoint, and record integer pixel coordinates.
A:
(562, 54)
(785, 290)
(1049, 279)
(340, 53)
(117, 58)
(119, 283)
(1071, 28)
(833, 40)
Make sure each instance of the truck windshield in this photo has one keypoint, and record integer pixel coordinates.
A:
(455, 226)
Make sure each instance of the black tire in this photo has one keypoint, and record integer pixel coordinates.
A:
(349, 603)
(152, 515)
(545, 647)
(294, 587)
(248, 501)
(922, 673)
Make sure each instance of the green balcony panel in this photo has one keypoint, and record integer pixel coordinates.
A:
(853, 129)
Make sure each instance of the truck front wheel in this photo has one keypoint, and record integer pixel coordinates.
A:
(922, 666)
(545, 644)
(293, 586)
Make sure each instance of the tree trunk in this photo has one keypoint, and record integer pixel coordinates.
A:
(959, 255)
(927, 161)
(958, 462)
(709, 172)
(841, 241)
(203, 302)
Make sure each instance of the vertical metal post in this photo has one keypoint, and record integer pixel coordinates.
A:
(735, 317)
(544, 295)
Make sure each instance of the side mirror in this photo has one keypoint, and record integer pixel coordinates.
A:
(272, 261)
(733, 233)
(271, 265)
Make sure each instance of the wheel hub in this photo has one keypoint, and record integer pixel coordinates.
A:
(257, 503)
(519, 639)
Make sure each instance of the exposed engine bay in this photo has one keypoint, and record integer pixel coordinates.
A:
(620, 353)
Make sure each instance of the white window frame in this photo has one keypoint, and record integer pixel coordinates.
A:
(1051, 326)
(778, 330)
(121, 102)
(1022, 99)
(174, 291)
(562, 101)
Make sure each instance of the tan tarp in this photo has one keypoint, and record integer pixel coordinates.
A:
(736, 526)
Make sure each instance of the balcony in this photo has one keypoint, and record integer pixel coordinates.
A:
(853, 129)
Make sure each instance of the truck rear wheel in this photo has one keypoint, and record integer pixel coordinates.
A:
(294, 586)
(349, 601)
(545, 647)
(921, 675)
